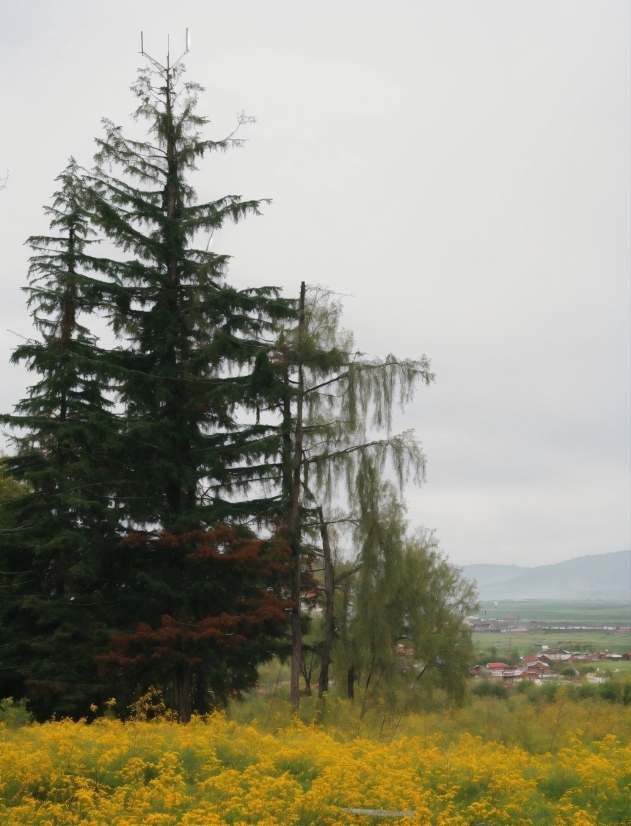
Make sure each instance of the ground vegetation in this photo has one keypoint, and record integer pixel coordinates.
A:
(491, 762)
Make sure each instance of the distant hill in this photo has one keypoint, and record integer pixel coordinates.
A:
(597, 576)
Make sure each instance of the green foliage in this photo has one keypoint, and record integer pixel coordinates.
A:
(191, 373)
(400, 611)
(487, 688)
(229, 610)
(58, 557)
(14, 714)
(329, 399)
(192, 362)
(10, 492)
(349, 402)
(616, 690)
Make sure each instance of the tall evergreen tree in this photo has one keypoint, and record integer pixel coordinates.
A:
(191, 368)
(58, 560)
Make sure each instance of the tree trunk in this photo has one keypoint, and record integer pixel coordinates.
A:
(200, 697)
(329, 586)
(296, 637)
(306, 673)
(183, 692)
(350, 683)
(296, 631)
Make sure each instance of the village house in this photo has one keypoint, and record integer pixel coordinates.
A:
(512, 674)
(481, 627)
(533, 675)
(539, 668)
(556, 655)
(579, 656)
(496, 668)
(502, 671)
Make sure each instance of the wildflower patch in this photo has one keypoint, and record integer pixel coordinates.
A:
(215, 772)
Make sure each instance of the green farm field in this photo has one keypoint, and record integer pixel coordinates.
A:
(531, 642)
(558, 613)
(592, 612)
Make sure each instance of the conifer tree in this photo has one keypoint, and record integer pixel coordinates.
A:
(229, 612)
(192, 368)
(58, 560)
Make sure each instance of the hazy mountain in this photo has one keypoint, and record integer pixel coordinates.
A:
(597, 576)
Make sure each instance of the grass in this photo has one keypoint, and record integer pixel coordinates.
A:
(531, 641)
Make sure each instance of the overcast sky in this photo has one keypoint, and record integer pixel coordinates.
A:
(460, 168)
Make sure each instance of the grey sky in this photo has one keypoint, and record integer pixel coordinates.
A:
(462, 168)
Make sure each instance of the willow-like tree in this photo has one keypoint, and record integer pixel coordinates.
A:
(59, 559)
(191, 368)
(400, 609)
(336, 407)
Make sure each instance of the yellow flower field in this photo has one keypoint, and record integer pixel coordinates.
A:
(216, 771)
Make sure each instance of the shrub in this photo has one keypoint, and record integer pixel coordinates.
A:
(486, 688)
(13, 715)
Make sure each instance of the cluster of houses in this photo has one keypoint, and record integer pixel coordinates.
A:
(538, 667)
(509, 624)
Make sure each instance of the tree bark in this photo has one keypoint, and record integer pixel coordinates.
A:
(329, 587)
(200, 701)
(183, 691)
(296, 631)
(306, 673)
(350, 683)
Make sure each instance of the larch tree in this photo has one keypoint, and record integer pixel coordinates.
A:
(58, 560)
(190, 371)
(336, 409)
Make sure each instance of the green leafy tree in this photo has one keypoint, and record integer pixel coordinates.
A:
(400, 607)
(58, 554)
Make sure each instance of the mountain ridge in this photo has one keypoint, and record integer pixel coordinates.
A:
(605, 576)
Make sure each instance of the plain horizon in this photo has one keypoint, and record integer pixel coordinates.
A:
(461, 169)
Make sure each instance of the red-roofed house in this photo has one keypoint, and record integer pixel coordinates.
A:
(539, 668)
